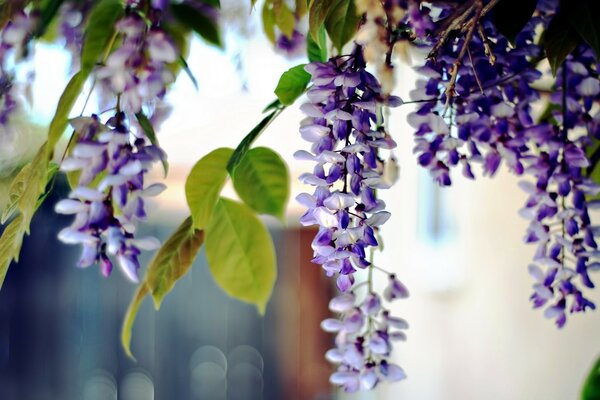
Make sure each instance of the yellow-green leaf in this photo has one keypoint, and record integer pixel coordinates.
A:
(284, 18)
(132, 311)
(204, 184)
(10, 244)
(262, 181)
(173, 260)
(292, 84)
(99, 31)
(240, 253)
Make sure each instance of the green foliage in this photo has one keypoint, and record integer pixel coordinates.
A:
(262, 181)
(149, 131)
(25, 195)
(245, 144)
(284, 17)
(317, 49)
(197, 21)
(48, 11)
(173, 260)
(268, 20)
(10, 244)
(99, 32)
(132, 311)
(30, 184)
(583, 16)
(317, 13)
(560, 39)
(204, 184)
(511, 16)
(240, 253)
(342, 22)
(301, 8)
(591, 387)
(292, 84)
(339, 17)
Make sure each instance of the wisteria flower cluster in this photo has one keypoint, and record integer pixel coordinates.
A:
(561, 196)
(113, 158)
(13, 48)
(346, 138)
(501, 84)
(109, 196)
(479, 110)
(138, 70)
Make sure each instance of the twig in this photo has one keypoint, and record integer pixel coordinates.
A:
(458, 19)
(475, 72)
(486, 44)
(450, 92)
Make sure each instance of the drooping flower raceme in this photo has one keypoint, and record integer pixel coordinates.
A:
(559, 198)
(138, 70)
(13, 47)
(113, 158)
(109, 196)
(346, 139)
(491, 121)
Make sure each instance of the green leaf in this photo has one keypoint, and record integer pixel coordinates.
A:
(511, 16)
(37, 176)
(10, 244)
(591, 387)
(47, 14)
(342, 22)
(204, 184)
(98, 34)
(301, 8)
(560, 39)
(583, 16)
(245, 144)
(240, 253)
(149, 131)
(292, 84)
(129, 320)
(15, 191)
(317, 13)
(317, 49)
(268, 20)
(284, 18)
(198, 22)
(262, 181)
(173, 260)
(26, 195)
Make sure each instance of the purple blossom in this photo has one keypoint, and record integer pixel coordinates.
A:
(109, 197)
(137, 71)
(490, 122)
(347, 140)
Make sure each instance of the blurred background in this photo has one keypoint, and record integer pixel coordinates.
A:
(473, 333)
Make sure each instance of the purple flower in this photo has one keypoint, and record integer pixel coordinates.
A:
(109, 199)
(346, 141)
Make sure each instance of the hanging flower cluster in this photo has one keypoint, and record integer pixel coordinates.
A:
(138, 70)
(489, 119)
(475, 106)
(108, 198)
(13, 48)
(559, 198)
(346, 139)
(72, 17)
(113, 158)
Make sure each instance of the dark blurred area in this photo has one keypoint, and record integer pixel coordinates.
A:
(60, 329)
